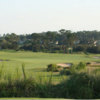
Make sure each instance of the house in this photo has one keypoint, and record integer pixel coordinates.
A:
(96, 43)
(76, 42)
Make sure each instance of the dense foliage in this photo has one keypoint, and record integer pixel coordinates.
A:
(78, 86)
(63, 41)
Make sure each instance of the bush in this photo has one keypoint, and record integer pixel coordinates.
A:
(88, 63)
(80, 48)
(94, 49)
(79, 86)
(70, 71)
(73, 69)
(81, 66)
(65, 72)
(52, 67)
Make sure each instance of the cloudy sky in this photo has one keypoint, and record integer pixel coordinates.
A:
(28, 16)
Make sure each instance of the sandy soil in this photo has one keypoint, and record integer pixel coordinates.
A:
(95, 63)
(96, 57)
(65, 64)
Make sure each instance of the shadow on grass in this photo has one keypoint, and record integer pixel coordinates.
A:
(38, 70)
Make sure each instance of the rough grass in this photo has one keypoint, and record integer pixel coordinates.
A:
(31, 99)
(36, 63)
(78, 86)
(25, 75)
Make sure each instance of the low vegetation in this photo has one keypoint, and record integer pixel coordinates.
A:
(65, 72)
(73, 69)
(54, 68)
(24, 74)
(78, 86)
(81, 66)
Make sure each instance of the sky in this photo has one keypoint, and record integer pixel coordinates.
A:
(28, 16)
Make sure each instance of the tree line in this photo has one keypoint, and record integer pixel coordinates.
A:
(62, 41)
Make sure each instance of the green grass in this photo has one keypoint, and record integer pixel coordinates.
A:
(31, 99)
(23, 74)
(36, 63)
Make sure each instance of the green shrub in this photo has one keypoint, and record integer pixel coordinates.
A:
(59, 67)
(73, 69)
(94, 49)
(52, 67)
(81, 66)
(65, 72)
(79, 86)
(88, 63)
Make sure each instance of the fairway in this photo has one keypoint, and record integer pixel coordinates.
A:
(34, 99)
(31, 99)
(36, 63)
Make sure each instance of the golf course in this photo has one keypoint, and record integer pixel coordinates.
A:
(36, 63)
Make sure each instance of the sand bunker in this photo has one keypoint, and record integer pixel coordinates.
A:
(97, 57)
(65, 64)
(95, 63)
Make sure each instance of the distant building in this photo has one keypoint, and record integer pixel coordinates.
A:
(57, 42)
(96, 43)
(76, 42)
